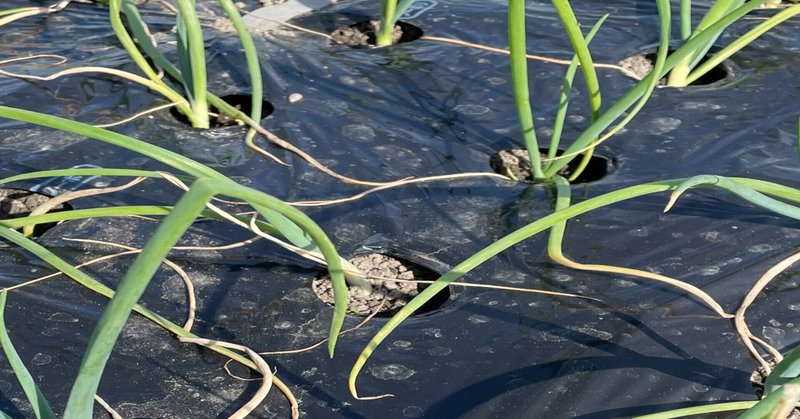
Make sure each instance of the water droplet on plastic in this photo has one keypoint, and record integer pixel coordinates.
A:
(283, 325)
(561, 277)
(440, 351)
(496, 81)
(761, 248)
(517, 386)
(437, 333)
(358, 132)
(639, 232)
(478, 319)
(402, 344)
(774, 335)
(473, 110)
(391, 372)
(62, 317)
(413, 412)
(708, 270)
(698, 106)
(663, 125)
(41, 359)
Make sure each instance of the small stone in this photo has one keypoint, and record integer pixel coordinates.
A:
(295, 97)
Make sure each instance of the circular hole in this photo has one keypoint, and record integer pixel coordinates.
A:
(18, 203)
(241, 102)
(758, 379)
(364, 33)
(642, 65)
(517, 163)
(377, 267)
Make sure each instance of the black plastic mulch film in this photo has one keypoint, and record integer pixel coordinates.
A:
(421, 108)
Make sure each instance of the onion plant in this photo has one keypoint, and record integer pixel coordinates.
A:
(282, 219)
(391, 10)
(191, 68)
(689, 68)
(757, 192)
(544, 169)
(140, 47)
(754, 191)
(781, 391)
(41, 408)
(103, 337)
(636, 98)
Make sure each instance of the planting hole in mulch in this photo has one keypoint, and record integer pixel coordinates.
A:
(642, 65)
(18, 203)
(757, 380)
(364, 33)
(241, 102)
(516, 164)
(377, 266)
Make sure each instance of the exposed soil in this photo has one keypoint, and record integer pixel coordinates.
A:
(757, 380)
(17, 203)
(516, 164)
(217, 119)
(396, 293)
(365, 33)
(639, 65)
(643, 64)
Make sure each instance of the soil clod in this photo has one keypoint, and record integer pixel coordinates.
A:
(18, 203)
